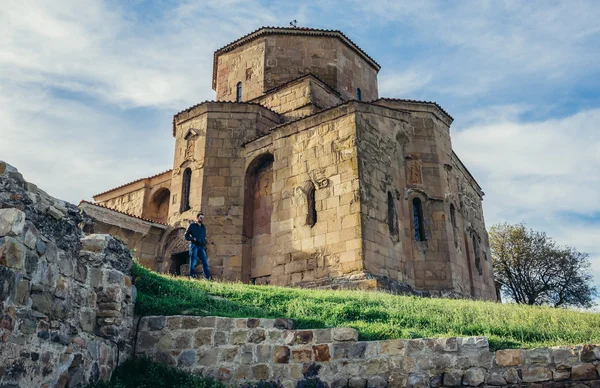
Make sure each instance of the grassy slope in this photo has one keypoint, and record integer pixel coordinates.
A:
(376, 315)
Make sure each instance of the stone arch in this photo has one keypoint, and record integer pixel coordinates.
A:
(172, 251)
(158, 206)
(256, 229)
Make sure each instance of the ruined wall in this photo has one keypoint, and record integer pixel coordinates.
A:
(218, 175)
(139, 235)
(239, 350)
(246, 65)
(64, 298)
(318, 152)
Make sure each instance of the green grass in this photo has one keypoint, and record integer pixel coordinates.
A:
(143, 373)
(375, 315)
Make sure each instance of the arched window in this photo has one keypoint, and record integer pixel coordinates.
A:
(392, 220)
(238, 92)
(358, 94)
(418, 220)
(185, 190)
(311, 217)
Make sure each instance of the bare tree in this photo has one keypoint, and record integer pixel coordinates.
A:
(531, 269)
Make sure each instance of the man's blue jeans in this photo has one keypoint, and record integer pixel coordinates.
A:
(196, 251)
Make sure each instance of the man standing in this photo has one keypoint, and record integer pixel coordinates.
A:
(196, 235)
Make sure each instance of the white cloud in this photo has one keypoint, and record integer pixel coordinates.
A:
(542, 173)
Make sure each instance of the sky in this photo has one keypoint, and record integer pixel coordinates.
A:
(88, 90)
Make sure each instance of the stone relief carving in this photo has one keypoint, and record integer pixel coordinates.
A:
(189, 149)
(415, 171)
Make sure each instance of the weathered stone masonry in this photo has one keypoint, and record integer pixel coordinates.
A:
(66, 301)
(236, 350)
(305, 186)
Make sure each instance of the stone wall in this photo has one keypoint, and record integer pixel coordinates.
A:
(318, 152)
(66, 301)
(238, 350)
(140, 235)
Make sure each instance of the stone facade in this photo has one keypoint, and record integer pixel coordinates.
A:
(66, 300)
(303, 185)
(237, 350)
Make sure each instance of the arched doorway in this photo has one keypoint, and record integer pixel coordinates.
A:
(176, 252)
(258, 207)
(158, 208)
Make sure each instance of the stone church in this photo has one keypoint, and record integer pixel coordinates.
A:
(309, 178)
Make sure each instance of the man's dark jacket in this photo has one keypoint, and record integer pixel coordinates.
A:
(197, 231)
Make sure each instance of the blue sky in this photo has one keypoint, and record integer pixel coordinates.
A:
(88, 90)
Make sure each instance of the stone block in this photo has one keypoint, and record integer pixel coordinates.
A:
(540, 356)
(12, 253)
(186, 358)
(392, 347)
(190, 323)
(22, 294)
(283, 324)
(590, 353)
(511, 375)
(256, 336)
(12, 222)
(208, 357)
(321, 353)
(156, 323)
(585, 371)
(322, 336)
(203, 337)
(281, 354)
(343, 334)
(302, 355)
(509, 357)
(207, 321)
(228, 353)
(560, 375)
(238, 337)
(536, 374)
(41, 302)
(453, 378)
(261, 372)
(376, 382)
(474, 376)
(298, 337)
(350, 350)
(357, 382)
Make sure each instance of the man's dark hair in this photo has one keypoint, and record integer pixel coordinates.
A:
(199, 214)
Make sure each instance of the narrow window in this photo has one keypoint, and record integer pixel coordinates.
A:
(311, 217)
(418, 220)
(477, 257)
(238, 92)
(453, 215)
(358, 94)
(185, 190)
(391, 215)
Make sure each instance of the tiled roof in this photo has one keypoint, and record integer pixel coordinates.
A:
(132, 182)
(283, 85)
(289, 31)
(299, 119)
(416, 102)
(216, 102)
(122, 212)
